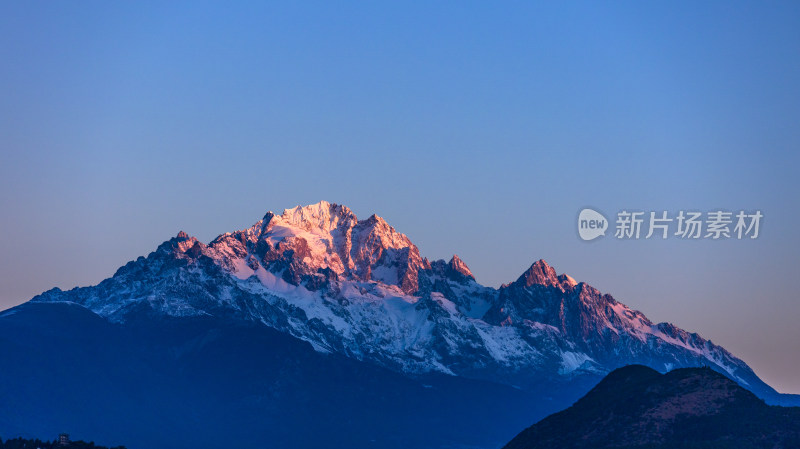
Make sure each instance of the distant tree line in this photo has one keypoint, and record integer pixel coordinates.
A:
(23, 443)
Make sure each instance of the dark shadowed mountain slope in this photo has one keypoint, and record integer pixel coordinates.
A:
(203, 382)
(637, 407)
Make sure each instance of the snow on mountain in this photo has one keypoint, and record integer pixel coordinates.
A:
(361, 289)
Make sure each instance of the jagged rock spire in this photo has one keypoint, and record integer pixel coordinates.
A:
(457, 265)
(540, 273)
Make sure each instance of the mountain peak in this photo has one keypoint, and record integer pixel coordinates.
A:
(323, 216)
(375, 218)
(566, 279)
(303, 240)
(540, 273)
(180, 244)
(458, 265)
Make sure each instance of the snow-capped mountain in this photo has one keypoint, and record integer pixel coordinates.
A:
(360, 289)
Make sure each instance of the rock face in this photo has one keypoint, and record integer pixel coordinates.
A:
(328, 240)
(360, 289)
(636, 406)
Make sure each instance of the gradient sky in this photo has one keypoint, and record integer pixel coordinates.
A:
(474, 128)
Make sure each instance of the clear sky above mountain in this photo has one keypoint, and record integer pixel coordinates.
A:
(474, 129)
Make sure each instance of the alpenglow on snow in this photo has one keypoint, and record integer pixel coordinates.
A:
(361, 289)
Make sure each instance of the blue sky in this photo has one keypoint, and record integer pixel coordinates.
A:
(475, 129)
